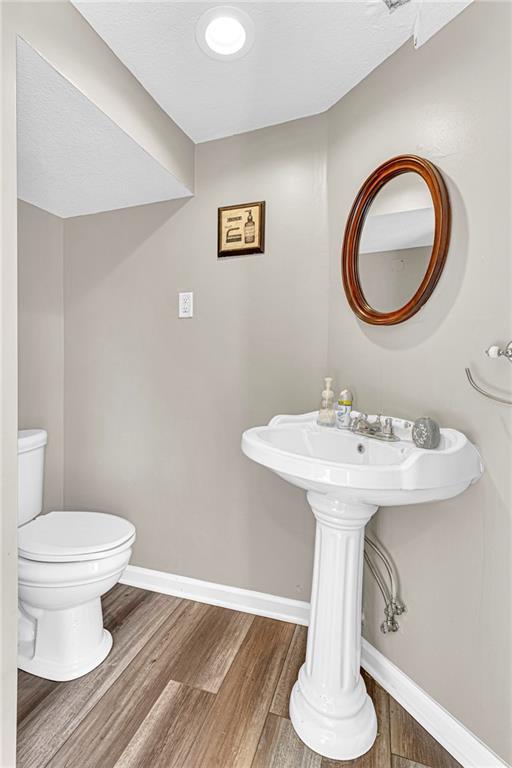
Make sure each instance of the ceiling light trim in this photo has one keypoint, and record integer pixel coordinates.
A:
(230, 12)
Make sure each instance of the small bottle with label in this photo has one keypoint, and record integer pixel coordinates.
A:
(326, 415)
(343, 409)
(249, 228)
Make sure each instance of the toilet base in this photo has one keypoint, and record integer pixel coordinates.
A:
(60, 672)
(62, 644)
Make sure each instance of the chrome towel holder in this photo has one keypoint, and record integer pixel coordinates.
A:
(493, 352)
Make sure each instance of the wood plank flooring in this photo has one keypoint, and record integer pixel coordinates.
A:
(188, 685)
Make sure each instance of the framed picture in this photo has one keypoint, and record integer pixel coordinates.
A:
(241, 229)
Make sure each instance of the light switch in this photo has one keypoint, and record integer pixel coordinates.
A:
(186, 304)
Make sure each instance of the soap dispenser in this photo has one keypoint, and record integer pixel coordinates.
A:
(326, 415)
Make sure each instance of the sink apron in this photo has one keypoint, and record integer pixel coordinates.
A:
(329, 707)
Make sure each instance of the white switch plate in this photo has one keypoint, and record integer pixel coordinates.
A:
(186, 304)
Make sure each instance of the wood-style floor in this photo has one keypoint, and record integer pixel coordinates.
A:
(188, 685)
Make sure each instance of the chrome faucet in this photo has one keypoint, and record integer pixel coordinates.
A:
(380, 429)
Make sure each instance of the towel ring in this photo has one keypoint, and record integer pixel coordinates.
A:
(494, 352)
(473, 383)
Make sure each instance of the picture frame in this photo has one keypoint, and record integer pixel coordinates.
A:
(241, 229)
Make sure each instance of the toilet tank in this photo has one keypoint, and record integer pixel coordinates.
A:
(31, 445)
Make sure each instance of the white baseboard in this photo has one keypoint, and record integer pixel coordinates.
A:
(463, 745)
(245, 600)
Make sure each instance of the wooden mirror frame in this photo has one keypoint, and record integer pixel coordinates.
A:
(355, 222)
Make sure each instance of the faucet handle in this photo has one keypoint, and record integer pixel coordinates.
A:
(362, 425)
(387, 428)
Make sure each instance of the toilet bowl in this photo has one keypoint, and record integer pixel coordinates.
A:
(66, 561)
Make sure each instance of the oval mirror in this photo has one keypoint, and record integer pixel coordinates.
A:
(396, 240)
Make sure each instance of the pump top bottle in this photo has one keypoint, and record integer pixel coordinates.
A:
(249, 228)
(326, 415)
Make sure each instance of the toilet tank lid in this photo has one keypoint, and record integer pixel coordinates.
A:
(29, 439)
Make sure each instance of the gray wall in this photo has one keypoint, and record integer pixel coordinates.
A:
(41, 338)
(155, 406)
(450, 102)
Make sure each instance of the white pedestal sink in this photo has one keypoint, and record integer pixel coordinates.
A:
(347, 477)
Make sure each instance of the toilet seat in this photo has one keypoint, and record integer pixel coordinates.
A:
(60, 537)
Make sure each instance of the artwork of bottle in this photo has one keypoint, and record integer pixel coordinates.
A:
(249, 228)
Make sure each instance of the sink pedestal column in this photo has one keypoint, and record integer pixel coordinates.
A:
(329, 707)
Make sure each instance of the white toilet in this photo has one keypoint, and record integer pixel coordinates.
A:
(66, 561)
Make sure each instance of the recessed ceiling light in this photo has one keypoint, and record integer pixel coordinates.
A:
(225, 33)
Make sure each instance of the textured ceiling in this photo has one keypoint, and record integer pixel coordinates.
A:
(72, 159)
(305, 57)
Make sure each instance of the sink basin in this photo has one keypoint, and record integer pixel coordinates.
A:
(359, 468)
(347, 476)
